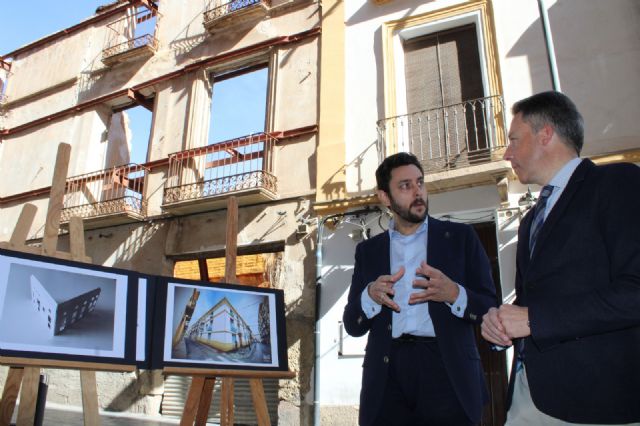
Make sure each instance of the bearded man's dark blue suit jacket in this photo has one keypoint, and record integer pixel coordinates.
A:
(455, 250)
(582, 289)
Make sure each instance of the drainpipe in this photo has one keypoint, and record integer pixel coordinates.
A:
(551, 53)
(316, 367)
(316, 363)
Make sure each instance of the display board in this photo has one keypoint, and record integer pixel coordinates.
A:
(64, 310)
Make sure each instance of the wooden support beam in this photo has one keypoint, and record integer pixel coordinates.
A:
(21, 231)
(204, 269)
(259, 402)
(137, 97)
(28, 396)
(90, 411)
(56, 200)
(205, 401)
(232, 240)
(10, 394)
(193, 401)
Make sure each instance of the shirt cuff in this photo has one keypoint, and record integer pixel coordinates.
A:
(460, 305)
(369, 307)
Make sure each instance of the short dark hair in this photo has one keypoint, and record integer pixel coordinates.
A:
(557, 110)
(383, 173)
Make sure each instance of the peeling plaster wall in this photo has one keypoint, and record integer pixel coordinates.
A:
(180, 122)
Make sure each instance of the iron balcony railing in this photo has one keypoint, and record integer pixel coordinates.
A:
(133, 32)
(219, 8)
(147, 40)
(117, 190)
(223, 168)
(452, 136)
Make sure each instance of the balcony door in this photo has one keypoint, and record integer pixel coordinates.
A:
(238, 117)
(443, 80)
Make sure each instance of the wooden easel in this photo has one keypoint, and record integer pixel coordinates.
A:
(201, 391)
(27, 371)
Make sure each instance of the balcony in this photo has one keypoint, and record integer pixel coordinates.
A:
(106, 197)
(132, 37)
(201, 178)
(459, 145)
(223, 13)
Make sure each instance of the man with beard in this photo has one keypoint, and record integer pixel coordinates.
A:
(418, 289)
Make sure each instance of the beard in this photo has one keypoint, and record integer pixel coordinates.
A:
(407, 214)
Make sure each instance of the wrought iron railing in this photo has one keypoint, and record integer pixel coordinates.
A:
(107, 192)
(219, 8)
(134, 30)
(223, 168)
(449, 137)
(144, 40)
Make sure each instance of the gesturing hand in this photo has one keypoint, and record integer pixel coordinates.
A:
(437, 286)
(381, 290)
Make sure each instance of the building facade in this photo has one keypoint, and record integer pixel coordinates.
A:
(342, 84)
(438, 78)
(171, 63)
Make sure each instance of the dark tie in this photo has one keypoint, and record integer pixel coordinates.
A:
(538, 216)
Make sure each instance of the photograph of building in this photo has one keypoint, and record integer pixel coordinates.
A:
(227, 327)
(172, 107)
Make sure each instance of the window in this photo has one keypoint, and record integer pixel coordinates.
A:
(238, 104)
(128, 136)
(443, 81)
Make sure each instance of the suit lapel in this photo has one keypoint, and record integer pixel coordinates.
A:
(435, 237)
(561, 205)
(437, 250)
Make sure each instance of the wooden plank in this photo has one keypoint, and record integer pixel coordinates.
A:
(55, 363)
(249, 374)
(10, 394)
(193, 399)
(28, 396)
(21, 231)
(76, 239)
(38, 250)
(226, 402)
(205, 401)
(56, 200)
(232, 240)
(90, 412)
(259, 402)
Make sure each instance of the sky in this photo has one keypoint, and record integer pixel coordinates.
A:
(26, 21)
(239, 107)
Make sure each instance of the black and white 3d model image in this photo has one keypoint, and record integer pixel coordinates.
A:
(60, 306)
(53, 308)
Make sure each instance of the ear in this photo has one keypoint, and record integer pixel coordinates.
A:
(384, 198)
(546, 133)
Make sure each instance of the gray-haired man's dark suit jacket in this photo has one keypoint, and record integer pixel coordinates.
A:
(582, 288)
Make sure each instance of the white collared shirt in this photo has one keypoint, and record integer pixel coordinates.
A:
(409, 251)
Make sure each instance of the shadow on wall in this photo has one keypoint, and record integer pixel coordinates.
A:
(338, 254)
(334, 188)
(532, 46)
